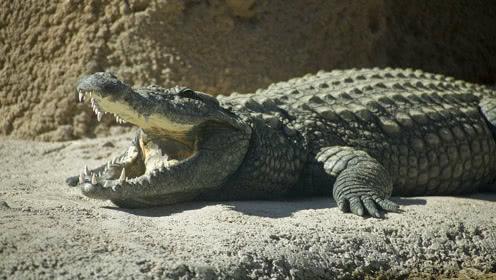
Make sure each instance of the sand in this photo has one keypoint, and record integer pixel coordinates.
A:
(49, 230)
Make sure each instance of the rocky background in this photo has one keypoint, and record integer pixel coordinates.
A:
(218, 46)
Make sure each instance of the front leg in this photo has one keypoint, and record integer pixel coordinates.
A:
(362, 183)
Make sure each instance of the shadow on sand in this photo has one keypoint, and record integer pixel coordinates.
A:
(260, 208)
(487, 196)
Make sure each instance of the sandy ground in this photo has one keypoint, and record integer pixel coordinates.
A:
(48, 230)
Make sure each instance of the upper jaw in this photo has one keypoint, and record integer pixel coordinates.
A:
(152, 107)
(94, 97)
(173, 118)
(100, 87)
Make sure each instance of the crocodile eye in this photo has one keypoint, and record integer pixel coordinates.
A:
(188, 93)
(191, 94)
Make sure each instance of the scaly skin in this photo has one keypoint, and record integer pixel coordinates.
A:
(360, 135)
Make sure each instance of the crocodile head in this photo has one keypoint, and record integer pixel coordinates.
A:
(188, 142)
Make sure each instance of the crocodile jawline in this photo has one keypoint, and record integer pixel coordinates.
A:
(169, 138)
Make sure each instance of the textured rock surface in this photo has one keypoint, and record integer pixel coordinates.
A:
(218, 47)
(49, 230)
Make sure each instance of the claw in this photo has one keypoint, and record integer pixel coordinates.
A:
(81, 178)
(93, 179)
(86, 170)
(122, 179)
(370, 206)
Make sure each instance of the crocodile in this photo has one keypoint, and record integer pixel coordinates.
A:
(360, 135)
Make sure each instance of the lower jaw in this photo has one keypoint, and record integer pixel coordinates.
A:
(155, 201)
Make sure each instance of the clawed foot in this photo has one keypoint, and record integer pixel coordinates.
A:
(366, 203)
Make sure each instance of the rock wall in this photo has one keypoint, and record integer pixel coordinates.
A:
(218, 46)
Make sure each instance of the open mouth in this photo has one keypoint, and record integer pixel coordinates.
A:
(186, 143)
(163, 145)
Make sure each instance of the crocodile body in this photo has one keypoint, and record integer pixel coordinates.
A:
(360, 135)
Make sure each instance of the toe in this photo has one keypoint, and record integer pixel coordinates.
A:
(371, 207)
(343, 206)
(387, 205)
(356, 206)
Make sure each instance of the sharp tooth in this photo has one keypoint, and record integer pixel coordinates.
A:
(105, 185)
(123, 175)
(81, 178)
(81, 96)
(99, 116)
(93, 179)
(92, 101)
(119, 119)
(108, 164)
(86, 170)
